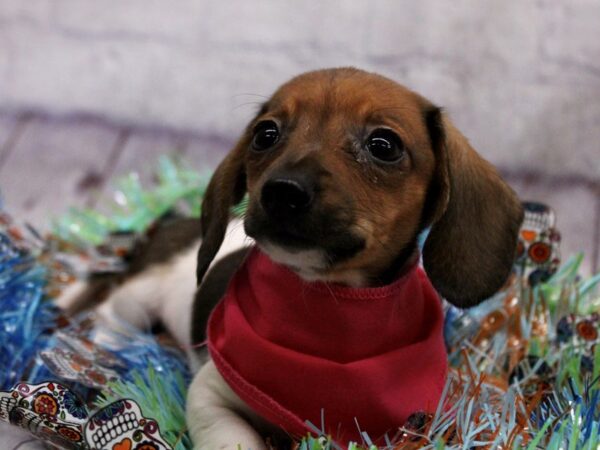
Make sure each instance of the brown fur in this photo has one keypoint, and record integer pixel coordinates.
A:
(324, 117)
(168, 238)
(471, 247)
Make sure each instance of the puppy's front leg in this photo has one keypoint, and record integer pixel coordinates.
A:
(213, 415)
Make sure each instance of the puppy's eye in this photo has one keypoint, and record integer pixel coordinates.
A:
(385, 145)
(266, 135)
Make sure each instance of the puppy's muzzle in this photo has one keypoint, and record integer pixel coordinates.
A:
(290, 212)
(286, 198)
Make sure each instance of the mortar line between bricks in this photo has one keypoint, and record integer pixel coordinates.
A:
(15, 135)
(596, 236)
(111, 163)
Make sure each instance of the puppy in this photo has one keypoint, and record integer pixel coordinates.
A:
(328, 314)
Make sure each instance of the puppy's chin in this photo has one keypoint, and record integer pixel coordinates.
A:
(314, 251)
(312, 265)
(308, 263)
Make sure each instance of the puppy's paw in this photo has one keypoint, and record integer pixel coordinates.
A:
(228, 436)
(213, 418)
(230, 446)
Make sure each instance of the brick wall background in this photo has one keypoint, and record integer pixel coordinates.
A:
(520, 77)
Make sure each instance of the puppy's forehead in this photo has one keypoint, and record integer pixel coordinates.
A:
(349, 92)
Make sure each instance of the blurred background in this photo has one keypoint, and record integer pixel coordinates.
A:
(91, 90)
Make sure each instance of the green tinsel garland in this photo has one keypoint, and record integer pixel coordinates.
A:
(134, 208)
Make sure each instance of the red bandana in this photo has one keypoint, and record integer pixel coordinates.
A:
(292, 350)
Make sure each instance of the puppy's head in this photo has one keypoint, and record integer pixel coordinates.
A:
(345, 168)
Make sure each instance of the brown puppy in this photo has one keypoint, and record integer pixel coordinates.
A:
(344, 170)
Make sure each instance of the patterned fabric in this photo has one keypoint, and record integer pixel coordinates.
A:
(55, 414)
(538, 254)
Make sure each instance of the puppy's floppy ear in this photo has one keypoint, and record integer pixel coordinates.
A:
(475, 219)
(226, 189)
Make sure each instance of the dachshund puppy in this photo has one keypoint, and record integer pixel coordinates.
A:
(329, 313)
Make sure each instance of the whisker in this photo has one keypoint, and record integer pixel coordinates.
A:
(250, 95)
(246, 104)
(331, 292)
(370, 212)
(372, 235)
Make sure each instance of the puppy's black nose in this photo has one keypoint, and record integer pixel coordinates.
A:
(286, 197)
